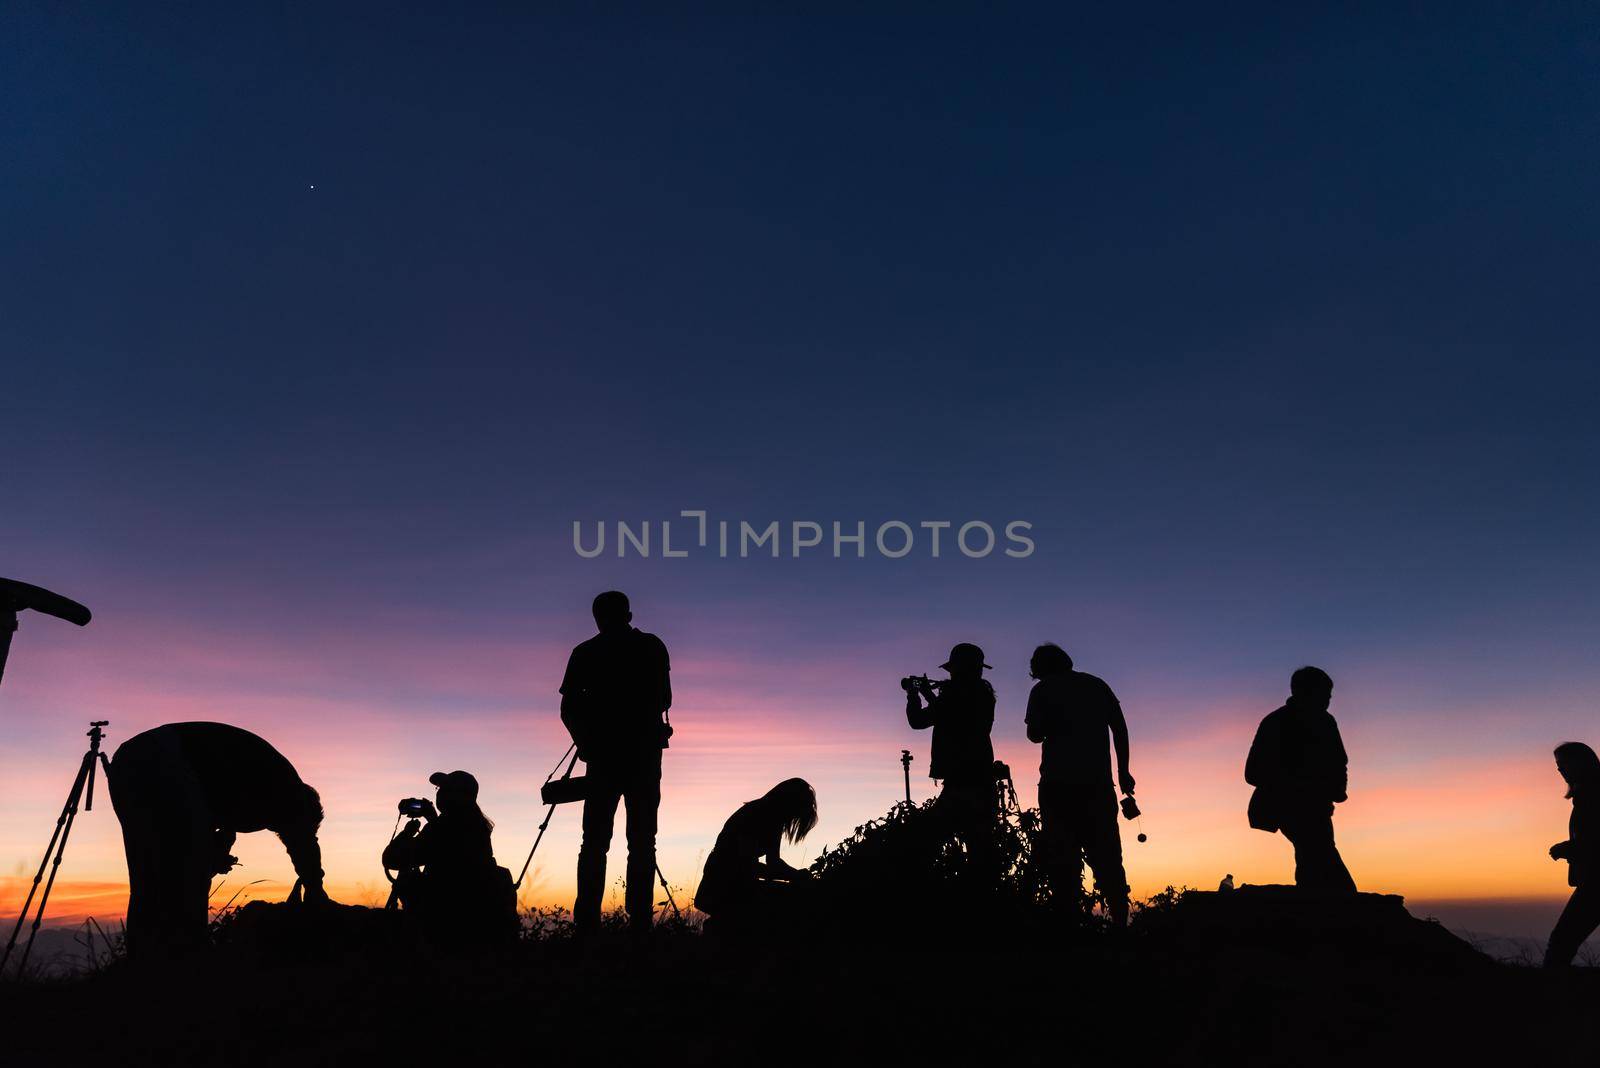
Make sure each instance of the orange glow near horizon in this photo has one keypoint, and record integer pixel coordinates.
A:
(1457, 824)
(1425, 832)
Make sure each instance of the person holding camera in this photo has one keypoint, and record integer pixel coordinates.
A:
(737, 888)
(447, 871)
(614, 701)
(1069, 715)
(183, 792)
(1580, 767)
(960, 711)
(1299, 768)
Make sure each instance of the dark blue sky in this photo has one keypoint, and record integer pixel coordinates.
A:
(1265, 290)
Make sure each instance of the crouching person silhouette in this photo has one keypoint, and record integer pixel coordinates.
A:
(447, 873)
(1069, 714)
(183, 792)
(614, 700)
(1581, 768)
(1298, 766)
(740, 893)
(961, 712)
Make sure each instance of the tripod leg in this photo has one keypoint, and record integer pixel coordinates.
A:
(63, 824)
(88, 784)
(55, 868)
(668, 890)
(105, 765)
(542, 828)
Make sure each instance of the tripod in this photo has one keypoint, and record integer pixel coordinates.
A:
(572, 750)
(82, 787)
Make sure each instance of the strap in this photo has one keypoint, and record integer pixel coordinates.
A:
(551, 811)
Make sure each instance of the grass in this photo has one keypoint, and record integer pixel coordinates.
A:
(894, 955)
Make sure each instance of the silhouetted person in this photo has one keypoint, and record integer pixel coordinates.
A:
(1070, 713)
(447, 871)
(183, 792)
(1298, 766)
(745, 882)
(961, 713)
(1581, 768)
(614, 700)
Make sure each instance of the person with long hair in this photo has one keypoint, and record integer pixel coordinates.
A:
(1580, 767)
(745, 878)
(447, 871)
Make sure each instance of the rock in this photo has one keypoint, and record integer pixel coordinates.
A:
(1284, 920)
(285, 930)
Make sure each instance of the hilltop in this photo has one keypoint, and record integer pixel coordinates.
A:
(892, 955)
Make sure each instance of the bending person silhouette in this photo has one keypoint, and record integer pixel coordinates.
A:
(961, 712)
(1581, 768)
(183, 792)
(737, 888)
(1298, 766)
(447, 873)
(614, 700)
(1070, 714)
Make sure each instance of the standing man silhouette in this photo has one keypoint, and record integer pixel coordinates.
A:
(614, 701)
(961, 713)
(1298, 766)
(1070, 714)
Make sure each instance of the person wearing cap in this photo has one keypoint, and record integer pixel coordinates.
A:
(614, 701)
(448, 874)
(961, 713)
(1070, 713)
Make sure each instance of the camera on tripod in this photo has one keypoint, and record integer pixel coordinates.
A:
(82, 789)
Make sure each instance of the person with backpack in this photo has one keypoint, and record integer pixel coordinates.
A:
(1299, 768)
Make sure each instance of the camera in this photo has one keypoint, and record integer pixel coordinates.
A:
(415, 807)
(565, 790)
(920, 683)
(1130, 808)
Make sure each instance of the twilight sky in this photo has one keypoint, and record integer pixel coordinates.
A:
(319, 330)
